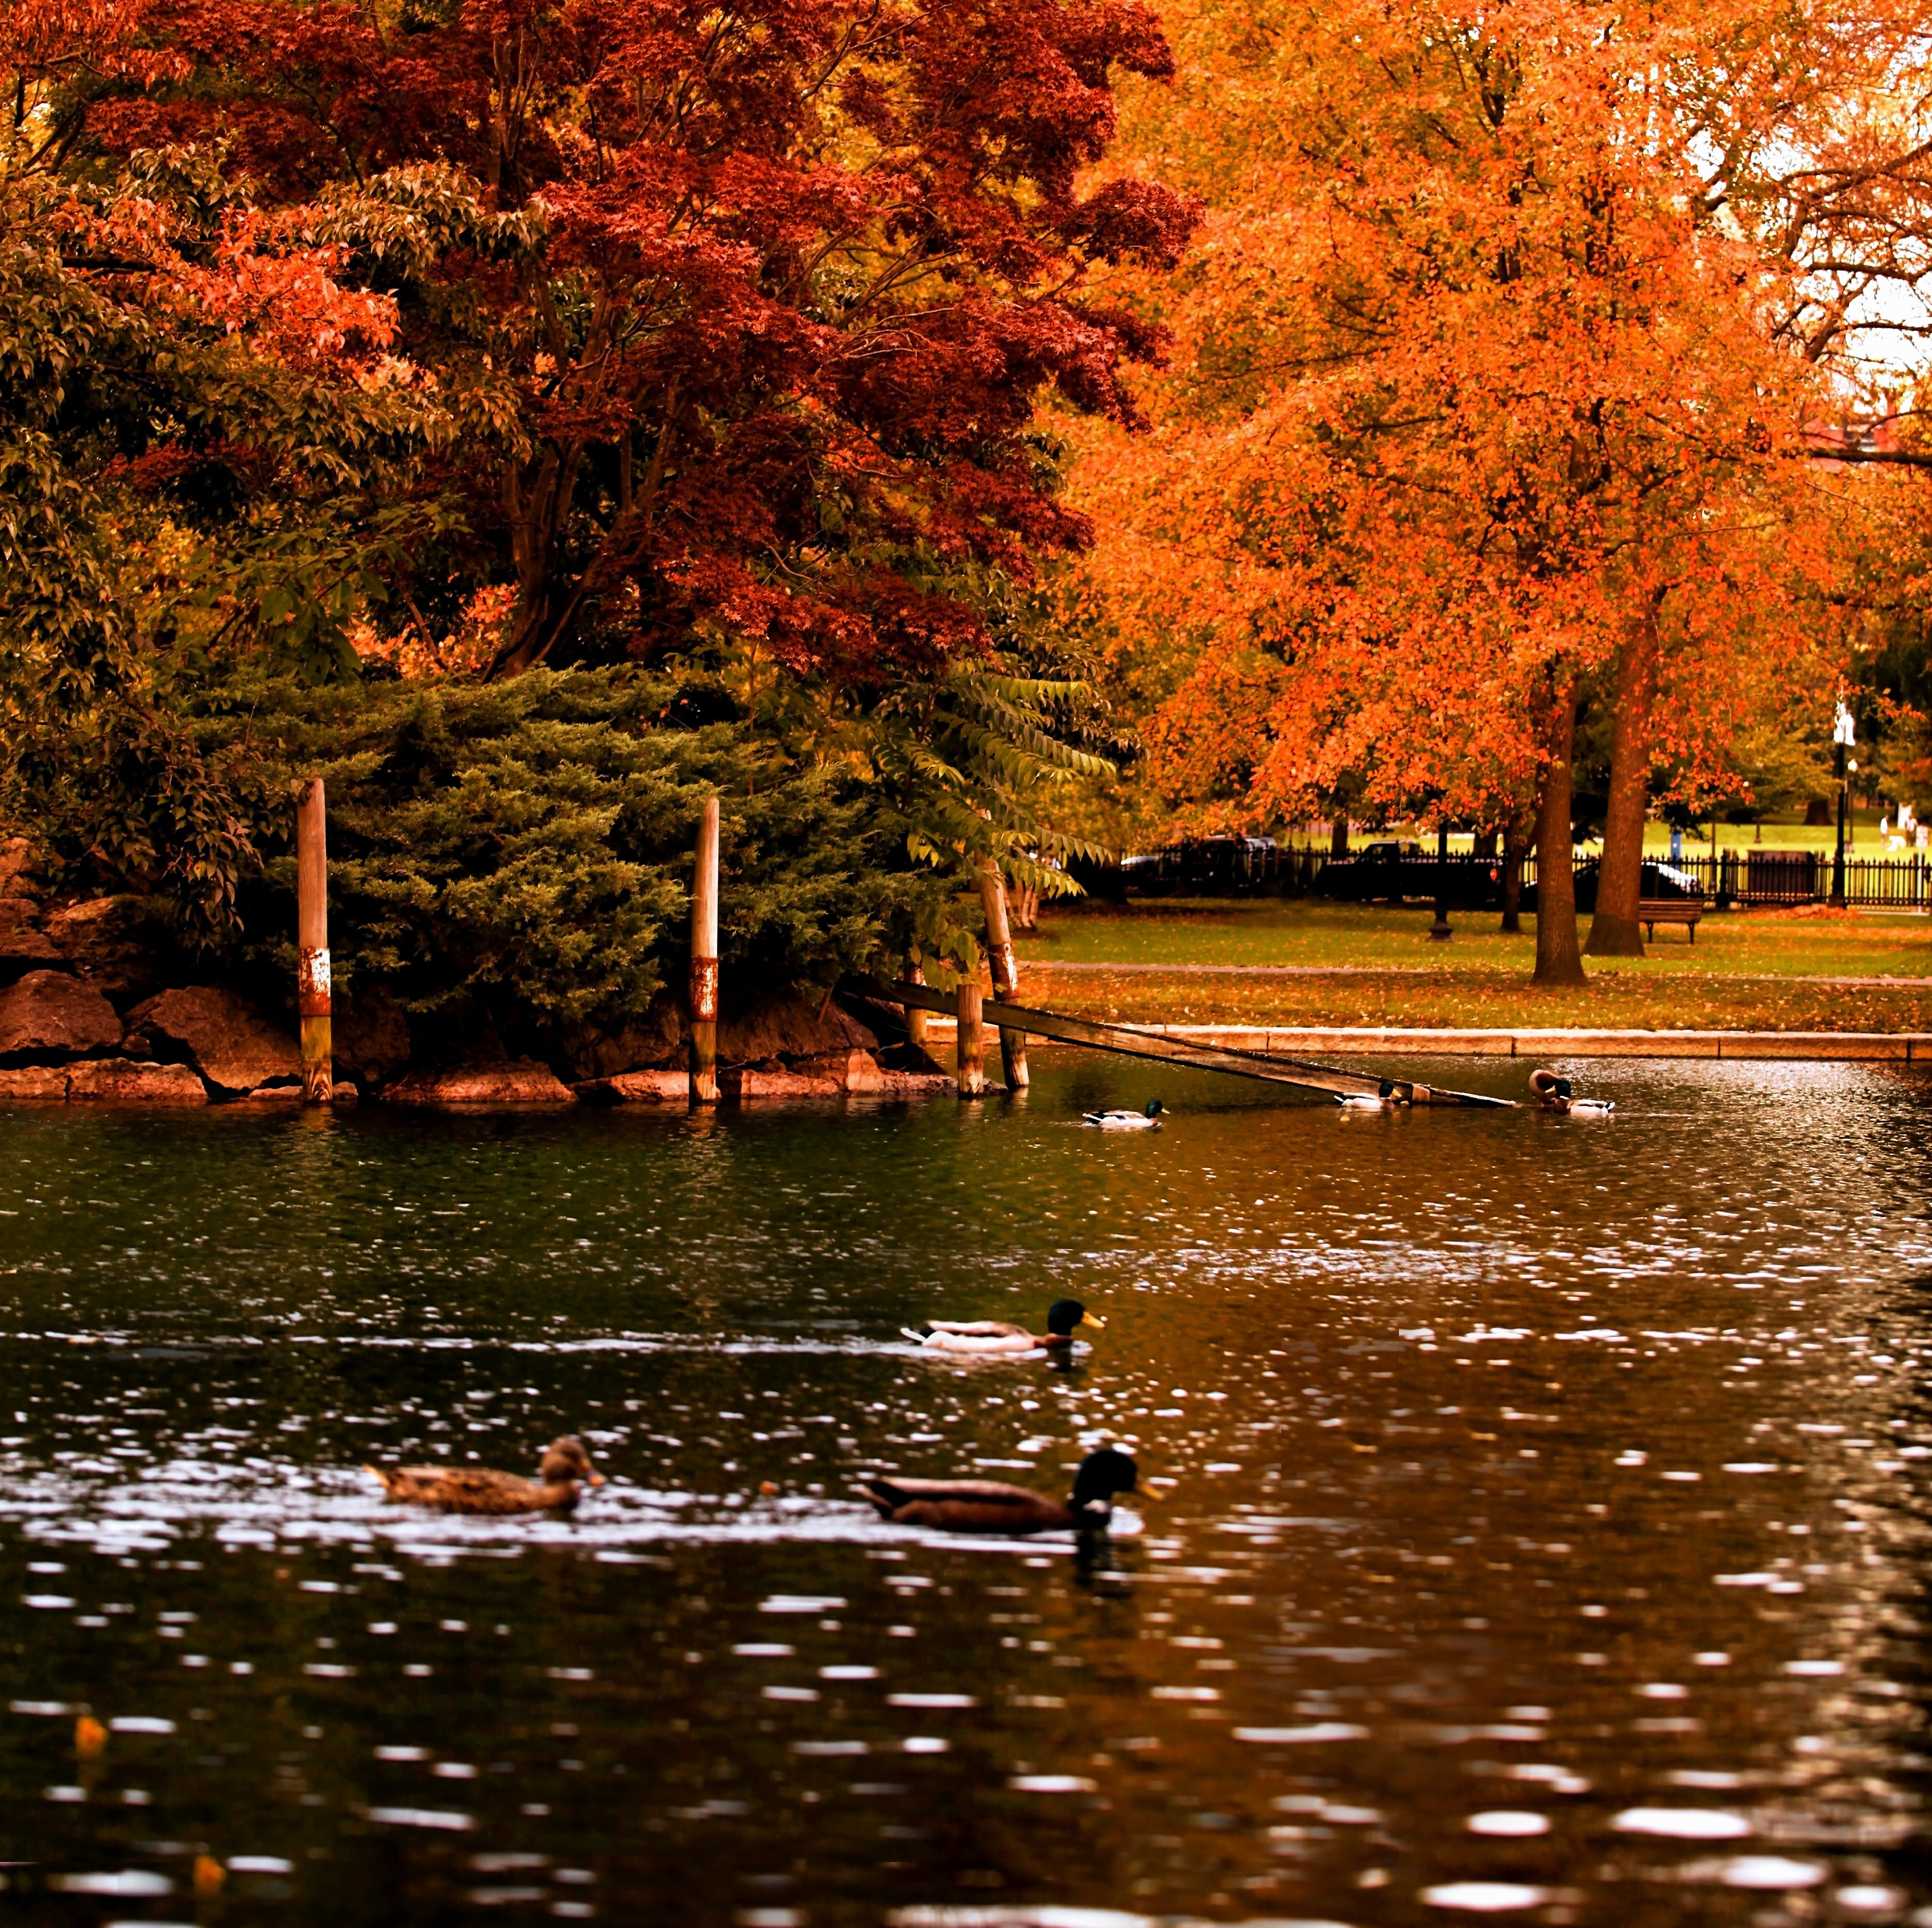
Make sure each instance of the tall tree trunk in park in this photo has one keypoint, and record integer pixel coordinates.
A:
(1614, 930)
(1338, 835)
(1559, 964)
(1517, 845)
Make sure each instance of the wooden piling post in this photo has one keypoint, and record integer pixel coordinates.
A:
(312, 973)
(915, 1014)
(704, 962)
(972, 1073)
(1005, 971)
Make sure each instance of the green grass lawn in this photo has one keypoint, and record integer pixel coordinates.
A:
(1380, 967)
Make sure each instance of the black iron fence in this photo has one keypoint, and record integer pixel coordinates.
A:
(1392, 873)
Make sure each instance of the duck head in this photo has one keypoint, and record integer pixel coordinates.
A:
(1386, 1089)
(1154, 1108)
(1063, 1315)
(1103, 1472)
(566, 1459)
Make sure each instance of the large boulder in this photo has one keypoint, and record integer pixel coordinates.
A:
(520, 1083)
(43, 1083)
(120, 1080)
(50, 1014)
(790, 1027)
(660, 1038)
(371, 1036)
(109, 940)
(849, 1070)
(637, 1087)
(913, 1084)
(748, 1084)
(224, 1037)
(19, 872)
(24, 946)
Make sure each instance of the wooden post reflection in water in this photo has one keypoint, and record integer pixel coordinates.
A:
(312, 973)
(1005, 971)
(704, 961)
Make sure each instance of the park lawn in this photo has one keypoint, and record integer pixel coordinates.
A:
(1480, 1000)
(1375, 965)
(1312, 932)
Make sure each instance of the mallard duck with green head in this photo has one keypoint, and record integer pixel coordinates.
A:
(992, 1506)
(1064, 1317)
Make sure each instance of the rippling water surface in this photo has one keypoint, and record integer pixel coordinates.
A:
(1532, 1523)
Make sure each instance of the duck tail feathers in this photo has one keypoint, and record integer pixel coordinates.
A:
(884, 1496)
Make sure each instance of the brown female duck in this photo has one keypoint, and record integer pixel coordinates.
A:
(564, 1470)
(992, 1506)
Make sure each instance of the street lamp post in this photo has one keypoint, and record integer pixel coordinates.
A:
(1842, 739)
(1440, 930)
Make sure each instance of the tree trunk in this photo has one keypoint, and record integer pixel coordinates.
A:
(1614, 930)
(1559, 964)
(536, 508)
(1338, 836)
(1516, 851)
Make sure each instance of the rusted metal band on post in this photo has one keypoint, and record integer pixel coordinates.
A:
(312, 981)
(704, 989)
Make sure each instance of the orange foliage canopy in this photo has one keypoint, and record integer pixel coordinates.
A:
(1495, 366)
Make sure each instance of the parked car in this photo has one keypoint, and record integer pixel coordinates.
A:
(1204, 867)
(1398, 869)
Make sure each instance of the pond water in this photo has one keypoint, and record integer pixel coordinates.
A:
(1533, 1519)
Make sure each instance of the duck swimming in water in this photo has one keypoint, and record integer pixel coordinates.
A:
(1384, 1099)
(1148, 1120)
(992, 1506)
(564, 1470)
(1064, 1317)
(1554, 1094)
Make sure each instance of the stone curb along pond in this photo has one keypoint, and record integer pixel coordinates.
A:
(1532, 1520)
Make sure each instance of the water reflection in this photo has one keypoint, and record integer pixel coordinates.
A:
(1531, 1522)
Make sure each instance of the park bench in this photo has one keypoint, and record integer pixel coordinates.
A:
(1652, 911)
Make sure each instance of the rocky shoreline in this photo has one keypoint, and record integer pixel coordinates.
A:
(84, 1020)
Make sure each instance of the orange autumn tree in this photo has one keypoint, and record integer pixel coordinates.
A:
(1491, 386)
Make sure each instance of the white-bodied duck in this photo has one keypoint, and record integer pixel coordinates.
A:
(1384, 1099)
(1148, 1120)
(1553, 1093)
(1064, 1317)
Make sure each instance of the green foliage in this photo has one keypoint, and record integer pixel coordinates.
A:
(169, 494)
(213, 477)
(521, 852)
(1782, 766)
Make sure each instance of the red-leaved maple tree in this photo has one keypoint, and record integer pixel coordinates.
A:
(740, 315)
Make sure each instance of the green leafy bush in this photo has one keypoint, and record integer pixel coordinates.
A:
(520, 853)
